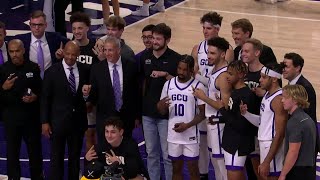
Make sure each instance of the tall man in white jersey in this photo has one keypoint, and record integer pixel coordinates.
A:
(217, 86)
(271, 123)
(211, 24)
(178, 101)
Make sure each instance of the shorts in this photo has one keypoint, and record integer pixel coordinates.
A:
(234, 161)
(186, 152)
(203, 127)
(214, 135)
(276, 164)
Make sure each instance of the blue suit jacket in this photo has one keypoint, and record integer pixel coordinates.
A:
(54, 40)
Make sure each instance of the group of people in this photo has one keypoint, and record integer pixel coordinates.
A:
(218, 104)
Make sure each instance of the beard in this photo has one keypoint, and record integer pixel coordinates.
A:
(159, 47)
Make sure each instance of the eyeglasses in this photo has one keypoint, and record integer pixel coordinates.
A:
(146, 37)
(35, 25)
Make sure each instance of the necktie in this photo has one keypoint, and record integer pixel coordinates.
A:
(1, 57)
(116, 88)
(72, 81)
(40, 58)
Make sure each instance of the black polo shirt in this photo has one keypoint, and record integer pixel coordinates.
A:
(167, 62)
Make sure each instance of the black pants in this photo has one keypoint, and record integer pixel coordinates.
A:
(301, 173)
(74, 143)
(31, 134)
(60, 7)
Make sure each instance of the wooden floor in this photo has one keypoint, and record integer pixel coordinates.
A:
(292, 26)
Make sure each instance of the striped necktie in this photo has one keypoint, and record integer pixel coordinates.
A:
(116, 88)
(72, 81)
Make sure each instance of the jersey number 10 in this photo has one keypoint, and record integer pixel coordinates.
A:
(179, 110)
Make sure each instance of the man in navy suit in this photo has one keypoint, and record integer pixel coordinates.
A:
(4, 56)
(114, 89)
(293, 63)
(63, 112)
(49, 42)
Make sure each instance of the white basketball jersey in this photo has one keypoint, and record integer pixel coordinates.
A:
(212, 90)
(182, 108)
(267, 127)
(204, 67)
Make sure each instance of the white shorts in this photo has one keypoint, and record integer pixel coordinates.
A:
(203, 127)
(214, 135)
(256, 152)
(276, 164)
(234, 162)
(186, 152)
(92, 118)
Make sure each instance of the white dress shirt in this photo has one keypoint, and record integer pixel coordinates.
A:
(45, 49)
(120, 71)
(74, 70)
(4, 52)
(294, 81)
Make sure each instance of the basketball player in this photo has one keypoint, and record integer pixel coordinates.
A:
(177, 99)
(251, 51)
(211, 24)
(217, 48)
(238, 134)
(271, 123)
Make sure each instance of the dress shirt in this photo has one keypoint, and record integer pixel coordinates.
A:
(45, 48)
(75, 72)
(294, 81)
(120, 71)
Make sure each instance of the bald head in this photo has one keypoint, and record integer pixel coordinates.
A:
(18, 42)
(71, 52)
(16, 51)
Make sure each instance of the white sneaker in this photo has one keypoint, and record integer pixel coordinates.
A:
(157, 7)
(141, 12)
(101, 30)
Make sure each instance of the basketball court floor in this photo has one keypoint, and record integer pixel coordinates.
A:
(291, 26)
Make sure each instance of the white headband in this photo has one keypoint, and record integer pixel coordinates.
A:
(270, 73)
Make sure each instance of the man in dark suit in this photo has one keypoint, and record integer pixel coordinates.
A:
(63, 111)
(242, 30)
(20, 88)
(293, 63)
(40, 45)
(4, 55)
(60, 7)
(114, 89)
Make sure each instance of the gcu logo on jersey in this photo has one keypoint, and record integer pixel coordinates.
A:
(230, 104)
(204, 62)
(262, 107)
(179, 97)
(85, 59)
(252, 84)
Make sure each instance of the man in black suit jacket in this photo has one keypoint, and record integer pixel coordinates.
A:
(63, 111)
(102, 91)
(242, 30)
(293, 63)
(20, 88)
(50, 42)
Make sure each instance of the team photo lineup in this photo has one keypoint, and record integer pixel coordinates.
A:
(232, 106)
